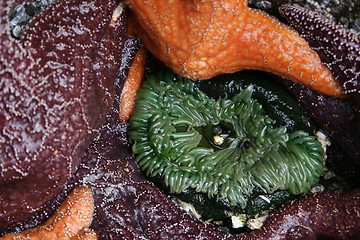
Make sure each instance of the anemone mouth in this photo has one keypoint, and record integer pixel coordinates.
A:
(224, 148)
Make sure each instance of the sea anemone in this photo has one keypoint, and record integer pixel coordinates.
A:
(224, 148)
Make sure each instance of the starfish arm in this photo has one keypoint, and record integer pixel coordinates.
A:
(338, 48)
(200, 40)
(72, 218)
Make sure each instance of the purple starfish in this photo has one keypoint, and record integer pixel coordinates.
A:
(57, 84)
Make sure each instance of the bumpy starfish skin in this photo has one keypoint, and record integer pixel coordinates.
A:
(344, 12)
(201, 39)
(338, 48)
(70, 221)
(57, 84)
(333, 215)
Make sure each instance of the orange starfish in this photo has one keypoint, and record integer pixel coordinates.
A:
(201, 39)
(70, 221)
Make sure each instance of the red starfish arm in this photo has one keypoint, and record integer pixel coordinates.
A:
(203, 39)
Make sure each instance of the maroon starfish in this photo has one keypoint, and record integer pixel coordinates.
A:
(57, 84)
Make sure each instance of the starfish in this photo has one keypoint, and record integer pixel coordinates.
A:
(338, 48)
(201, 39)
(57, 83)
(70, 221)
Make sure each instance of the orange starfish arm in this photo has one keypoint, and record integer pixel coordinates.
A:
(201, 39)
(131, 85)
(70, 221)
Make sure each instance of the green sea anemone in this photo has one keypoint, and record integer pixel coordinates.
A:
(224, 148)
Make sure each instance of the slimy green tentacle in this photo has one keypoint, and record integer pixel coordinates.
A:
(223, 147)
